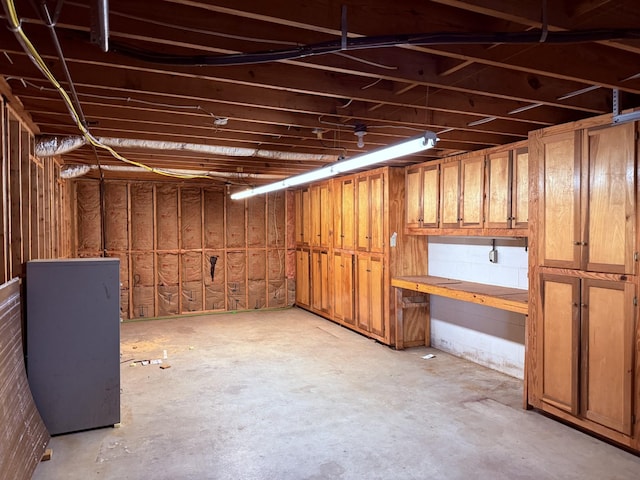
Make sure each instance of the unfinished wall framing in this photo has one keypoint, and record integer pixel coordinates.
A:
(34, 200)
(186, 247)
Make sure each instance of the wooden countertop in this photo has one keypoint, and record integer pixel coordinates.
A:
(504, 298)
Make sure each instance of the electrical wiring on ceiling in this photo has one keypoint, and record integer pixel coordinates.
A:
(336, 46)
(32, 52)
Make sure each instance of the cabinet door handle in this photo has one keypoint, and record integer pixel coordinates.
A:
(577, 243)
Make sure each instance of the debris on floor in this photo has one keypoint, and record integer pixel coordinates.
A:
(428, 356)
(157, 361)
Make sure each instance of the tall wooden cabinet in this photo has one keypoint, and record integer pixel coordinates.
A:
(350, 273)
(583, 338)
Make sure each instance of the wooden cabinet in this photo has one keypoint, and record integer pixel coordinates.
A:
(484, 193)
(450, 195)
(369, 212)
(370, 313)
(303, 277)
(368, 208)
(589, 209)
(584, 341)
(320, 296)
(463, 193)
(344, 214)
(499, 173)
(588, 336)
(472, 192)
(508, 189)
(321, 215)
(423, 196)
(520, 189)
(302, 202)
(343, 306)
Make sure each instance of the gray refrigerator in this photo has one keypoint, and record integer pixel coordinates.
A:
(72, 340)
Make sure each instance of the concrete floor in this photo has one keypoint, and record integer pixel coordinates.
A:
(288, 395)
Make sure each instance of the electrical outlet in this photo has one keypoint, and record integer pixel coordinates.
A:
(493, 256)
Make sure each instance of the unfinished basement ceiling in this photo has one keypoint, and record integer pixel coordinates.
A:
(308, 101)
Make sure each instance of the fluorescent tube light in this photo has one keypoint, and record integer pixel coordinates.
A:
(410, 146)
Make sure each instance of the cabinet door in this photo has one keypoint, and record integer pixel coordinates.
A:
(413, 197)
(347, 225)
(303, 216)
(499, 190)
(561, 341)
(343, 287)
(302, 278)
(362, 209)
(450, 191)
(376, 296)
(430, 196)
(376, 209)
(320, 215)
(316, 206)
(472, 194)
(363, 313)
(607, 352)
(320, 281)
(560, 222)
(371, 316)
(343, 214)
(520, 189)
(611, 219)
(325, 214)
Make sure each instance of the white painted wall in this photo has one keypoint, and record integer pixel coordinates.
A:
(485, 335)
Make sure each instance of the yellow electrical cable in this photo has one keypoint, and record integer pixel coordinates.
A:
(16, 27)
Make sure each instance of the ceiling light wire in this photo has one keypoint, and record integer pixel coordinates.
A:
(16, 28)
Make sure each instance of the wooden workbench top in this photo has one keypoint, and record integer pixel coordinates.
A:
(504, 298)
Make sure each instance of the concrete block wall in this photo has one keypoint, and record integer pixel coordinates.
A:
(485, 335)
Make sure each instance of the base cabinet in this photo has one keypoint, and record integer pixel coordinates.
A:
(370, 289)
(588, 344)
(303, 277)
(320, 297)
(343, 306)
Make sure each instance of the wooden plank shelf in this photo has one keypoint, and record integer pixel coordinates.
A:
(504, 298)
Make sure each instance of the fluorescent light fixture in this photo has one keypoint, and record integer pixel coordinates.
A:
(410, 146)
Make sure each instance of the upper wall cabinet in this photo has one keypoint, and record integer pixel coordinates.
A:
(450, 195)
(321, 215)
(508, 189)
(302, 200)
(423, 196)
(462, 188)
(484, 193)
(472, 192)
(520, 188)
(588, 200)
(370, 211)
(344, 214)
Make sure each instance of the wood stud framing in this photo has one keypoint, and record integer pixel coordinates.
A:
(34, 201)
